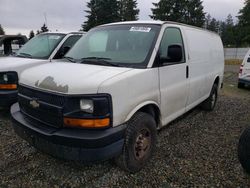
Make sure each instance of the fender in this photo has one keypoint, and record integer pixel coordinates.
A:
(138, 107)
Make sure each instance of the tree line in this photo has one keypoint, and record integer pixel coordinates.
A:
(43, 29)
(190, 12)
(234, 34)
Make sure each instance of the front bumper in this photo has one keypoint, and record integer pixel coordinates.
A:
(7, 98)
(70, 144)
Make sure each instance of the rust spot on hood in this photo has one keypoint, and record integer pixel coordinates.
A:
(50, 84)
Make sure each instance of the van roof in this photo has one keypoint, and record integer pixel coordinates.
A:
(158, 22)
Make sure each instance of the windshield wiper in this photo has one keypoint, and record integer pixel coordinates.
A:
(98, 61)
(26, 55)
(71, 59)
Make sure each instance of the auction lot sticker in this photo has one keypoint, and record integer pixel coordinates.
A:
(140, 29)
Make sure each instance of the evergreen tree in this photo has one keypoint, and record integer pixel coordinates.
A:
(164, 10)
(91, 17)
(185, 11)
(44, 28)
(195, 14)
(101, 12)
(230, 21)
(213, 25)
(244, 22)
(1, 30)
(128, 10)
(207, 21)
(244, 14)
(31, 35)
(229, 35)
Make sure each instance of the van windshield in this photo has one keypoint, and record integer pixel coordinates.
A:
(116, 45)
(41, 46)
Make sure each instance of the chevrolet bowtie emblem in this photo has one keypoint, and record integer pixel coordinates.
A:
(34, 103)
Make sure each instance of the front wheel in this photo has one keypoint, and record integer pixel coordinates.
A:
(210, 102)
(140, 142)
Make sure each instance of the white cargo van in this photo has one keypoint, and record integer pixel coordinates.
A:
(244, 74)
(39, 50)
(126, 80)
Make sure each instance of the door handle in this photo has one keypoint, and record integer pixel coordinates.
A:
(187, 71)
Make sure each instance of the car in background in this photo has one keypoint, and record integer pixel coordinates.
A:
(244, 74)
(9, 44)
(39, 50)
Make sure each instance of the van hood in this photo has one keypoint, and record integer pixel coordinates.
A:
(18, 63)
(69, 78)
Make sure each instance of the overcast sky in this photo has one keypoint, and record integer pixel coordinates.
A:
(22, 16)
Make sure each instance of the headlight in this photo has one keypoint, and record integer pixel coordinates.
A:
(87, 105)
(8, 80)
(92, 111)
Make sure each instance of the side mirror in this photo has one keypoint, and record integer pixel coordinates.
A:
(175, 53)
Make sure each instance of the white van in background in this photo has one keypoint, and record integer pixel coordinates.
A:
(39, 50)
(244, 74)
(126, 80)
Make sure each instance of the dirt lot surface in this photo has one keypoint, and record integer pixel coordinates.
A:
(197, 150)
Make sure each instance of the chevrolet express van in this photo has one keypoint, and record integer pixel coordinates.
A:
(244, 74)
(39, 50)
(126, 81)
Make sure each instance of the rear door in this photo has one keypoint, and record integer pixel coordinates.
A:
(173, 77)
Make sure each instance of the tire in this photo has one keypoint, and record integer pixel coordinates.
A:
(140, 143)
(241, 85)
(210, 103)
(244, 150)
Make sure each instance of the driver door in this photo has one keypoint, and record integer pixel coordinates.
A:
(173, 77)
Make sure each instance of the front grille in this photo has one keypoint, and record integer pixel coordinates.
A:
(50, 109)
(44, 96)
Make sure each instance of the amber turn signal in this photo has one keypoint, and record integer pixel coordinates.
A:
(8, 86)
(86, 123)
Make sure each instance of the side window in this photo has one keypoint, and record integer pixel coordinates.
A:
(171, 36)
(69, 42)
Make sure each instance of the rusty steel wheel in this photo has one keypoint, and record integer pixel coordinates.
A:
(142, 144)
(139, 144)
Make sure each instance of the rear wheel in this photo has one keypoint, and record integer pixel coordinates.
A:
(210, 102)
(244, 150)
(241, 85)
(140, 142)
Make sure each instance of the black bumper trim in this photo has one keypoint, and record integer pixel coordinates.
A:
(7, 98)
(71, 144)
(244, 81)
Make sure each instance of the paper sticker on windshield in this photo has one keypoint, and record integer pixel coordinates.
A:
(140, 29)
(54, 37)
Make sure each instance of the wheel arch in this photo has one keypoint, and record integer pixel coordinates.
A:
(217, 80)
(149, 107)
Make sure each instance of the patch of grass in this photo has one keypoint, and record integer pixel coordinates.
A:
(232, 90)
(233, 62)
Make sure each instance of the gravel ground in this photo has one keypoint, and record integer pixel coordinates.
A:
(197, 150)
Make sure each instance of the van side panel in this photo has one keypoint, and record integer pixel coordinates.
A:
(206, 62)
